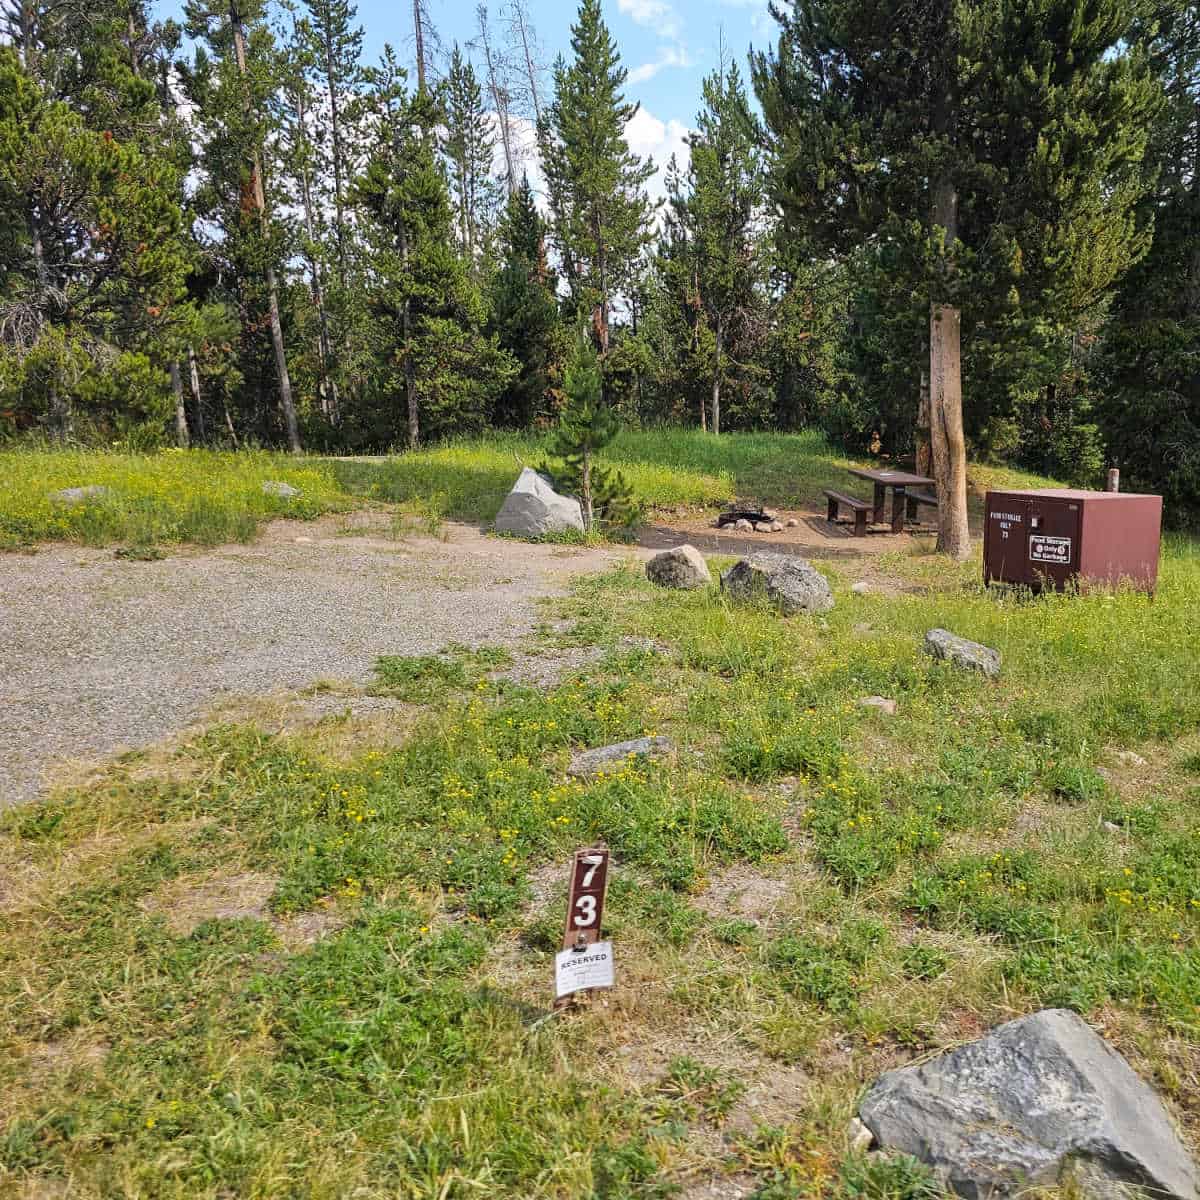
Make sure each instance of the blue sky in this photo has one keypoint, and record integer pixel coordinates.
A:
(668, 47)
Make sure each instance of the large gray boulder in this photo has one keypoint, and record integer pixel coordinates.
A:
(80, 495)
(593, 762)
(534, 508)
(791, 584)
(1039, 1101)
(948, 647)
(679, 567)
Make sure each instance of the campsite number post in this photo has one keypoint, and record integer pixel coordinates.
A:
(585, 962)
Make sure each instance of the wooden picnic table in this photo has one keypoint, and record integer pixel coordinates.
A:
(898, 482)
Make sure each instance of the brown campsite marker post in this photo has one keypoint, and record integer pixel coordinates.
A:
(585, 903)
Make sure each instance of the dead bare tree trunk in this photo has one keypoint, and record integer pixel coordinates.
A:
(327, 386)
(519, 21)
(182, 440)
(716, 381)
(419, 34)
(257, 196)
(410, 369)
(197, 404)
(499, 99)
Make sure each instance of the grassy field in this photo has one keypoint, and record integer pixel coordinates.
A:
(807, 893)
(208, 498)
(199, 497)
(668, 468)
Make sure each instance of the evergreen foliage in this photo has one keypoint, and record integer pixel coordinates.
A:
(599, 209)
(588, 426)
(434, 363)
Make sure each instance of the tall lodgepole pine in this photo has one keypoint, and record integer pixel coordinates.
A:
(254, 196)
(601, 213)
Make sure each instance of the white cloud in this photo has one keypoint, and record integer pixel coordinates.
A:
(671, 56)
(648, 137)
(654, 14)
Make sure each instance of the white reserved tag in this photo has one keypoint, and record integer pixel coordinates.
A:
(577, 970)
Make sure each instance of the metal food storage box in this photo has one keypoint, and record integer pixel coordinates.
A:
(1056, 537)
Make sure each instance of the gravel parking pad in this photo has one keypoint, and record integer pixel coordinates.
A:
(99, 655)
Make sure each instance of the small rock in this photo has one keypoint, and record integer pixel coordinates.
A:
(764, 527)
(680, 567)
(276, 487)
(80, 495)
(792, 584)
(861, 588)
(941, 644)
(590, 762)
(776, 526)
(1127, 758)
(1019, 1108)
(303, 541)
(1111, 827)
(792, 523)
(882, 703)
(743, 526)
(858, 1137)
(534, 508)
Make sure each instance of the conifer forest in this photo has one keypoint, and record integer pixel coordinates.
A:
(955, 230)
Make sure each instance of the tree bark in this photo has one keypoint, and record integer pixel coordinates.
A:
(716, 382)
(948, 442)
(259, 200)
(419, 34)
(197, 403)
(328, 388)
(410, 369)
(924, 452)
(182, 440)
(335, 139)
(946, 428)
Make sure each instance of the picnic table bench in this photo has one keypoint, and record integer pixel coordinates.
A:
(858, 507)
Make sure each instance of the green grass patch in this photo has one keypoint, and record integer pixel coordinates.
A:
(198, 496)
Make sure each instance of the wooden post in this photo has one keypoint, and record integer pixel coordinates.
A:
(1114, 480)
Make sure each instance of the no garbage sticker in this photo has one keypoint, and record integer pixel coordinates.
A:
(1050, 549)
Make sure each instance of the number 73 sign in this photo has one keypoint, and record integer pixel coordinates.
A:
(585, 902)
(584, 962)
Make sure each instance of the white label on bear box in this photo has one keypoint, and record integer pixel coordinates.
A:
(1050, 549)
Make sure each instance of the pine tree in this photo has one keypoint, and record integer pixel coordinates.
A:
(1150, 412)
(233, 82)
(601, 215)
(429, 314)
(92, 259)
(999, 146)
(469, 147)
(525, 317)
(719, 222)
(588, 426)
